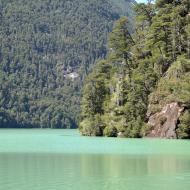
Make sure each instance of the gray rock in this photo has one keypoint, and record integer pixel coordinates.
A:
(164, 123)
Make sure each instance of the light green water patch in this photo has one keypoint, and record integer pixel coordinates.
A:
(70, 141)
(63, 160)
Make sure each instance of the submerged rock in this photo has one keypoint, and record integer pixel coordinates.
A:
(164, 123)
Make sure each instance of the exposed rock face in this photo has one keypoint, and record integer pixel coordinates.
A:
(164, 123)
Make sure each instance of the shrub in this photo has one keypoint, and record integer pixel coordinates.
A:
(110, 131)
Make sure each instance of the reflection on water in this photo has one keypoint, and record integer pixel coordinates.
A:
(35, 171)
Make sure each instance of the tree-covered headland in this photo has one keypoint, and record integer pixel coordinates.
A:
(144, 75)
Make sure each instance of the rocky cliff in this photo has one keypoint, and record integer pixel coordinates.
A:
(164, 123)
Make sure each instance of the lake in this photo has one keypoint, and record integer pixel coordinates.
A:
(63, 160)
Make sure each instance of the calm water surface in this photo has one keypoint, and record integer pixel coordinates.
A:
(63, 160)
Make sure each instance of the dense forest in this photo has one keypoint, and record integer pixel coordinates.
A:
(47, 47)
(142, 88)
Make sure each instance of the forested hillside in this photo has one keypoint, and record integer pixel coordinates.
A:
(143, 87)
(46, 49)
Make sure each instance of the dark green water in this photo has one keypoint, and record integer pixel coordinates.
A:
(63, 160)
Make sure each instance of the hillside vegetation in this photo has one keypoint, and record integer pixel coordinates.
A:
(142, 73)
(47, 47)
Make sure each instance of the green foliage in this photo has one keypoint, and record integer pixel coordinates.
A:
(134, 128)
(47, 47)
(183, 130)
(92, 126)
(174, 86)
(148, 69)
(95, 90)
(120, 39)
(110, 131)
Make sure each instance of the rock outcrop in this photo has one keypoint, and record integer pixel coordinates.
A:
(164, 123)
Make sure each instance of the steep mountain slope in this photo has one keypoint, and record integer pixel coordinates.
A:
(46, 49)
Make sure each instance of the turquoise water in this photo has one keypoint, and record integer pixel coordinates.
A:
(63, 160)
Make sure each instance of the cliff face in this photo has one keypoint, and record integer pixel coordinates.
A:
(164, 123)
